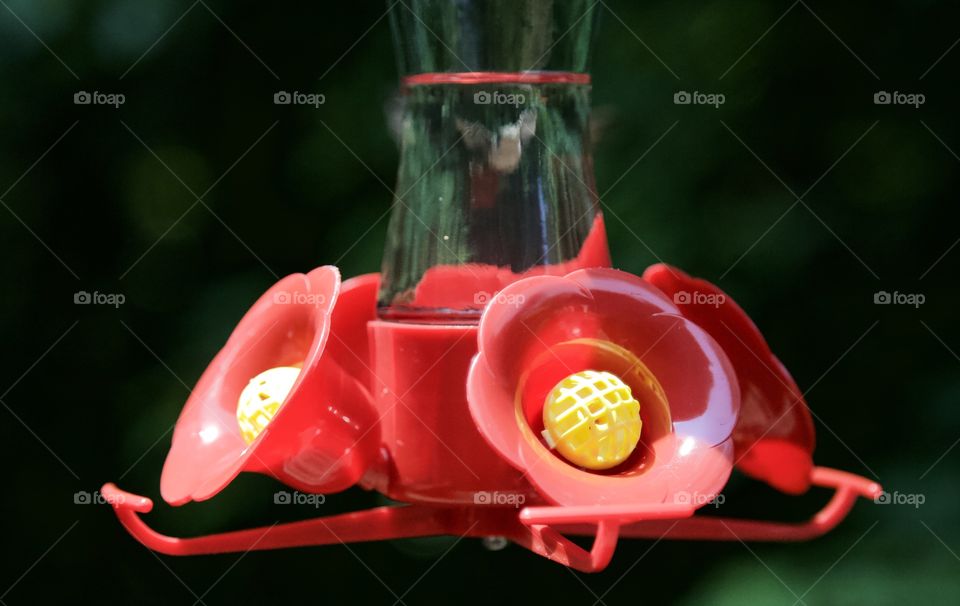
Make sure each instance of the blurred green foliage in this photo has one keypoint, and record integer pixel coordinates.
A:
(112, 206)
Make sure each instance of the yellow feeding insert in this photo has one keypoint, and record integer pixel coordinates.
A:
(261, 399)
(592, 419)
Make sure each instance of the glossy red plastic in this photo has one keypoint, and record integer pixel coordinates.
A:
(542, 534)
(539, 330)
(774, 436)
(433, 450)
(471, 286)
(528, 77)
(445, 418)
(323, 438)
(436, 401)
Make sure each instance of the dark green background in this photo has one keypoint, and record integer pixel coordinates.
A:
(93, 389)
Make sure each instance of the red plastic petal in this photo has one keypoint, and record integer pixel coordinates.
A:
(538, 330)
(774, 436)
(349, 343)
(529, 316)
(321, 438)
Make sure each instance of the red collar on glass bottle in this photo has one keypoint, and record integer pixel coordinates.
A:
(527, 77)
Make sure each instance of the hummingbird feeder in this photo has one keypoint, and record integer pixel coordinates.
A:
(498, 378)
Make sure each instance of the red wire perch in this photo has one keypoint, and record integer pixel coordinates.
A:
(847, 486)
(392, 522)
(539, 529)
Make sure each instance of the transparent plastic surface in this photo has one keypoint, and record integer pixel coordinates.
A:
(493, 35)
(496, 179)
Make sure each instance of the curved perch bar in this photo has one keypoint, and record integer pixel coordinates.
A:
(539, 529)
(848, 487)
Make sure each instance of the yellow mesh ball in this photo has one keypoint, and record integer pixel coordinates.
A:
(261, 399)
(592, 419)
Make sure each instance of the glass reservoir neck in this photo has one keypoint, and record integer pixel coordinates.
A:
(496, 179)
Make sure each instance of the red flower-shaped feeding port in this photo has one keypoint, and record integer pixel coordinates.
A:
(669, 384)
(323, 438)
(540, 330)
